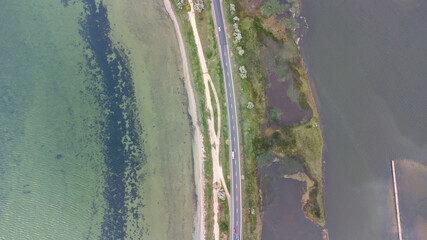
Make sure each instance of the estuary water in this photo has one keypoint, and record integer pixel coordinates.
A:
(89, 148)
(367, 60)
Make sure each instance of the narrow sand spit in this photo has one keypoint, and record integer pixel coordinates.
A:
(218, 177)
(198, 150)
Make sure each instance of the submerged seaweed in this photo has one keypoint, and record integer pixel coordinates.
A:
(114, 87)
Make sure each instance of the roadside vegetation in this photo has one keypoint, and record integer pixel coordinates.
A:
(205, 26)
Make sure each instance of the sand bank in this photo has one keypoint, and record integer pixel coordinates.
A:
(198, 151)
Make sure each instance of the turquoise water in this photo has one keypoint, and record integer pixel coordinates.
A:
(69, 144)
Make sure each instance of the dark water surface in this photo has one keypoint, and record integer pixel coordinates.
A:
(283, 217)
(368, 63)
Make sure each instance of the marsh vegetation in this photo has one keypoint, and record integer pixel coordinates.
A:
(283, 124)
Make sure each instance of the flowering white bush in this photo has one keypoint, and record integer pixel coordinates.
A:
(242, 72)
(199, 6)
(236, 27)
(250, 105)
(232, 8)
(240, 50)
(180, 4)
(237, 35)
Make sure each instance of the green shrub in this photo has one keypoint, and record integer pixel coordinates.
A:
(276, 114)
(208, 54)
(302, 100)
(272, 7)
(223, 226)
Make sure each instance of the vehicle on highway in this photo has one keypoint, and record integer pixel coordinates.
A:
(232, 123)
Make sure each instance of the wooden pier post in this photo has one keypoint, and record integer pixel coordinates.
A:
(396, 200)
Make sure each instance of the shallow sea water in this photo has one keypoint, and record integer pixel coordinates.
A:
(76, 152)
(51, 159)
(168, 186)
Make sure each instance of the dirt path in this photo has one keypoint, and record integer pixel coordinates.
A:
(198, 138)
(218, 177)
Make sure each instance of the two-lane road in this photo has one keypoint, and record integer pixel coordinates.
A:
(233, 130)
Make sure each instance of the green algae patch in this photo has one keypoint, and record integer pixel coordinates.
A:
(271, 7)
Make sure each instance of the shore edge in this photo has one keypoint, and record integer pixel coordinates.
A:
(197, 145)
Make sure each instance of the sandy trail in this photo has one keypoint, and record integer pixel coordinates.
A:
(218, 177)
(198, 137)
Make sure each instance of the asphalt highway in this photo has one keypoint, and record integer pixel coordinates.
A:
(233, 130)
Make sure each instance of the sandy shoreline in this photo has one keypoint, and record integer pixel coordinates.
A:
(198, 150)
